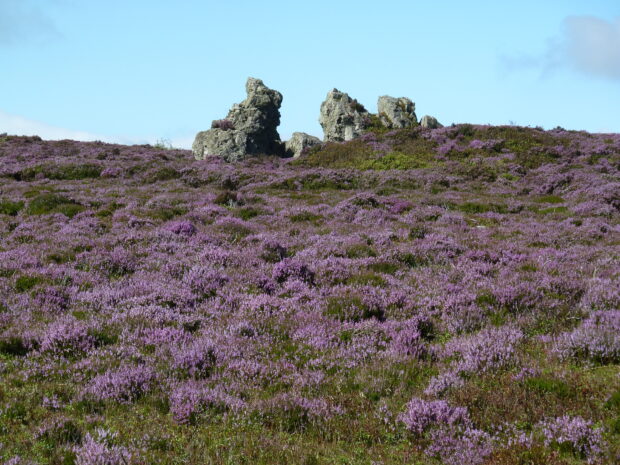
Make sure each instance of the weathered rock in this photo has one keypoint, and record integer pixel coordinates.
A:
(342, 118)
(396, 113)
(249, 129)
(300, 141)
(430, 122)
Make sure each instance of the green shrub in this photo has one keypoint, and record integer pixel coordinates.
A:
(367, 279)
(384, 267)
(360, 251)
(545, 385)
(351, 308)
(412, 260)
(306, 216)
(13, 345)
(163, 174)
(549, 199)
(8, 207)
(166, 213)
(476, 207)
(25, 283)
(247, 213)
(68, 172)
(54, 203)
(614, 401)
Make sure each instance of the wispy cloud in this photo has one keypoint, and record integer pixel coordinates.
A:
(23, 21)
(20, 126)
(585, 43)
(593, 45)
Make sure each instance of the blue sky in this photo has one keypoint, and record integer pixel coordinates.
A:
(136, 71)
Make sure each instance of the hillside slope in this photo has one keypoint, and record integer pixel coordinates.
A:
(454, 301)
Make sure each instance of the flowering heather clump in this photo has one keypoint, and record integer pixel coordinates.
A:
(409, 296)
(191, 398)
(290, 268)
(124, 385)
(67, 337)
(460, 445)
(422, 414)
(98, 450)
(597, 339)
(197, 359)
(576, 433)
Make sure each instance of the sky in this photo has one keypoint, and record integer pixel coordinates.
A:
(142, 71)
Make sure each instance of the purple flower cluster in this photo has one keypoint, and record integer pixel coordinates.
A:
(597, 339)
(577, 433)
(420, 415)
(124, 385)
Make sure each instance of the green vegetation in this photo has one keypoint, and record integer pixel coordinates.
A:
(8, 207)
(53, 203)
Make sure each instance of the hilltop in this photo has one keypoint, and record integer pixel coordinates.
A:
(417, 295)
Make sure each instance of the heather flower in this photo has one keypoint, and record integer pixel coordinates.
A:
(192, 397)
(124, 385)
(182, 228)
(596, 339)
(99, 450)
(577, 433)
(205, 281)
(291, 268)
(67, 337)
(421, 415)
(196, 359)
(460, 445)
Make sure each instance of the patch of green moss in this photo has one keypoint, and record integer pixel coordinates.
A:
(54, 203)
(8, 207)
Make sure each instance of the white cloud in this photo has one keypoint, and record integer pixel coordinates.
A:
(587, 44)
(23, 21)
(20, 126)
(592, 45)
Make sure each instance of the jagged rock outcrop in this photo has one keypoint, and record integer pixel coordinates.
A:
(342, 118)
(298, 142)
(430, 122)
(249, 129)
(396, 113)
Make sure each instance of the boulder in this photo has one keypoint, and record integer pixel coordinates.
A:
(249, 129)
(396, 113)
(342, 118)
(298, 142)
(430, 122)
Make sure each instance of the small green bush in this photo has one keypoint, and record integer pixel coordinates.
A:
(306, 216)
(13, 345)
(351, 308)
(247, 213)
(8, 207)
(360, 251)
(162, 174)
(53, 203)
(545, 385)
(477, 207)
(25, 283)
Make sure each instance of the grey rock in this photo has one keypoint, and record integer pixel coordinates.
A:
(342, 118)
(298, 142)
(430, 122)
(249, 129)
(396, 113)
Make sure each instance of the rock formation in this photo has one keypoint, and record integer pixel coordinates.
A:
(342, 118)
(298, 142)
(396, 113)
(249, 129)
(430, 122)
